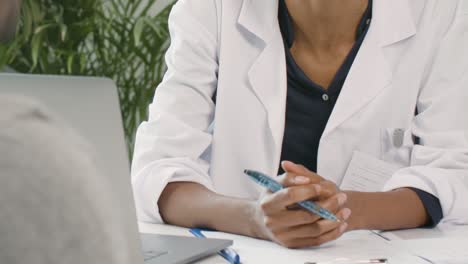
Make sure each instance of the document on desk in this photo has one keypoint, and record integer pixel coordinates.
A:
(438, 251)
(367, 174)
(443, 230)
(356, 245)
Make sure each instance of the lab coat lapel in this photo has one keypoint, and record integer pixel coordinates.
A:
(267, 74)
(372, 70)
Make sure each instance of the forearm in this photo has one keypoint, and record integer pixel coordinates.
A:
(397, 209)
(192, 205)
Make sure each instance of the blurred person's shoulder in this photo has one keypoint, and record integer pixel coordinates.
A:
(54, 191)
(17, 108)
(27, 122)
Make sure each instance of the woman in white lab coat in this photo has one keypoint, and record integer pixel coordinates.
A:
(367, 98)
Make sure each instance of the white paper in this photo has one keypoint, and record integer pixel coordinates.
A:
(352, 245)
(438, 251)
(367, 174)
(443, 230)
(356, 245)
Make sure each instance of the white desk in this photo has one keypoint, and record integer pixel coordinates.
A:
(352, 245)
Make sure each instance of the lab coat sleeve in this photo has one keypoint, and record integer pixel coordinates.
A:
(174, 144)
(439, 164)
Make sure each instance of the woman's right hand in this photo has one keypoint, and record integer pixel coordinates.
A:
(275, 220)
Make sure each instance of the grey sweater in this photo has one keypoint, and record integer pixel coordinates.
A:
(54, 207)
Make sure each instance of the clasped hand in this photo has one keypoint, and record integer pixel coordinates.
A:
(277, 218)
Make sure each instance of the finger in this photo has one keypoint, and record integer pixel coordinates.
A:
(313, 242)
(316, 229)
(291, 179)
(280, 200)
(301, 241)
(299, 216)
(288, 219)
(335, 203)
(329, 189)
(326, 196)
(291, 167)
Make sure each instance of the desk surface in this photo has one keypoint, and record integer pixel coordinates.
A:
(353, 245)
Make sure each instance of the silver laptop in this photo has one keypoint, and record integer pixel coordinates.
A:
(91, 106)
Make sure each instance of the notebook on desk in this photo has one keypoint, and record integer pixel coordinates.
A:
(91, 106)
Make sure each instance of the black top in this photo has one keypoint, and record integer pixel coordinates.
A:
(309, 106)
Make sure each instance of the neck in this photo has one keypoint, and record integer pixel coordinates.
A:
(326, 23)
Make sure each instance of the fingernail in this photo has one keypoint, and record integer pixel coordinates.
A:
(343, 227)
(346, 213)
(301, 180)
(342, 197)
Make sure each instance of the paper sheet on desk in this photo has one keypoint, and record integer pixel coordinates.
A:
(438, 251)
(353, 245)
(367, 174)
(443, 230)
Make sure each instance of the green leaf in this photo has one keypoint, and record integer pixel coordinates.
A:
(155, 26)
(3, 56)
(137, 30)
(35, 46)
(40, 29)
(63, 32)
(36, 13)
(70, 63)
(26, 20)
(82, 63)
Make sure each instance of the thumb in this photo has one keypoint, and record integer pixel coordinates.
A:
(293, 168)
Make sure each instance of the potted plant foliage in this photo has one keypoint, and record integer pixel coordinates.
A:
(119, 39)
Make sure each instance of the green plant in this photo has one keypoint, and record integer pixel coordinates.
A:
(119, 39)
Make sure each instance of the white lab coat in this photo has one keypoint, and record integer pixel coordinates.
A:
(415, 55)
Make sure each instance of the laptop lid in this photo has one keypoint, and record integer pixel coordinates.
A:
(163, 249)
(91, 106)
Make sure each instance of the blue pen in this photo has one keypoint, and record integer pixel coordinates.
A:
(229, 254)
(275, 186)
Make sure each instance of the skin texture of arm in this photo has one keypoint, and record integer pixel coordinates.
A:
(398, 209)
(9, 11)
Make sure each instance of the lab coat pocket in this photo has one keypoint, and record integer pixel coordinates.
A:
(396, 146)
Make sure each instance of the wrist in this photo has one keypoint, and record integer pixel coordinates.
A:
(236, 216)
(253, 217)
(357, 219)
